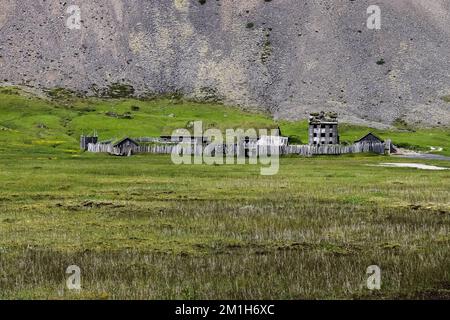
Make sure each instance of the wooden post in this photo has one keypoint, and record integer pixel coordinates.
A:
(387, 147)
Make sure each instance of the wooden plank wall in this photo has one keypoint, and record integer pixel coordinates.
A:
(302, 150)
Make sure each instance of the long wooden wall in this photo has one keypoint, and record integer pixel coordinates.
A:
(302, 150)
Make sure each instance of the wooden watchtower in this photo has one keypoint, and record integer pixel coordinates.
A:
(323, 129)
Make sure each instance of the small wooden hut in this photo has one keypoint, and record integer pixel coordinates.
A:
(369, 138)
(124, 147)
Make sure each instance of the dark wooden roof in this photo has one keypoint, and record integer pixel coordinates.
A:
(119, 142)
(370, 137)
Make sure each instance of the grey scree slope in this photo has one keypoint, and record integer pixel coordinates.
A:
(289, 57)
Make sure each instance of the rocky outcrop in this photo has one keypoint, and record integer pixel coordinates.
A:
(289, 57)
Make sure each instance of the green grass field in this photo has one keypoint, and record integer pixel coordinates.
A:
(141, 227)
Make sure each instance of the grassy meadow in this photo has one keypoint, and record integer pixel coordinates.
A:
(143, 228)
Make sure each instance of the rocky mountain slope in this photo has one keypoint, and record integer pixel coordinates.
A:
(289, 57)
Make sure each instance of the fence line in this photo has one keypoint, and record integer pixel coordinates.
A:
(309, 150)
(247, 149)
(99, 148)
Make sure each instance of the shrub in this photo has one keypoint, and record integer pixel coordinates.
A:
(118, 90)
(60, 93)
(294, 139)
(446, 98)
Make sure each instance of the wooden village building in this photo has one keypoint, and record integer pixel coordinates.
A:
(323, 129)
(125, 146)
(369, 138)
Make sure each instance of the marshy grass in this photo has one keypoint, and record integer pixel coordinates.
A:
(143, 228)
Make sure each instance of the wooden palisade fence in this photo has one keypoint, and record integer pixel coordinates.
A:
(301, 150)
